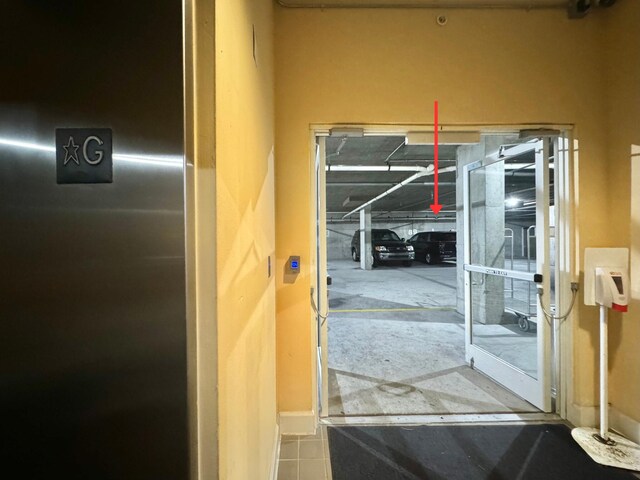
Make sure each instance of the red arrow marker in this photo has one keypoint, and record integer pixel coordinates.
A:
(435, 206)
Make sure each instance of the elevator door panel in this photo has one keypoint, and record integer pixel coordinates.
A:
(92, 290)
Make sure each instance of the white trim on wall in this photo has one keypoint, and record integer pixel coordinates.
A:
(297, 423)
(273, 474)
(624, 424)
(581, 416)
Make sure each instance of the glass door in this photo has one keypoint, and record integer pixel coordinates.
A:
(507, 336)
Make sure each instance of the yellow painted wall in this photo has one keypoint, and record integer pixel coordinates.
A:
(388, 66)
(245, 237)
(623, 88)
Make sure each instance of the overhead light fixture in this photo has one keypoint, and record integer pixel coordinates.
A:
(512, 202)
(346, 132)
(444, 138)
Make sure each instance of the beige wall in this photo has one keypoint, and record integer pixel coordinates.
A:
(623, 129)
(388, 66)
(245, 237)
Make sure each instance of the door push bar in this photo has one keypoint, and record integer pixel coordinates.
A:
(501, 272)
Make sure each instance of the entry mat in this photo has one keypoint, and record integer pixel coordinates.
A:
(493, 452)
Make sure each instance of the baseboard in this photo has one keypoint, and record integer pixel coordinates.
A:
(624, 424)
(297, 423)
(276, 454)
(583, 416)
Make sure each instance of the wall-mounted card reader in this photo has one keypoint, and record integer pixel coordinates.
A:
(612, 286)
(293, 264)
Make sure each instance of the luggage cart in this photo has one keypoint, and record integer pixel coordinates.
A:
(523, 304)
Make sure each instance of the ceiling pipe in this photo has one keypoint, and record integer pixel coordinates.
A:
(391, 154)
(376, 168)
(385, 184)
(421, 173)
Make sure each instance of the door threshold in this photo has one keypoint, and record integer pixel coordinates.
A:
(447, 419)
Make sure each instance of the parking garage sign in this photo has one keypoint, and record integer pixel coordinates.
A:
(84, 155)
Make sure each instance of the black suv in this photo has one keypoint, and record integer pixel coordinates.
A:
(433, 247)
(386, 246)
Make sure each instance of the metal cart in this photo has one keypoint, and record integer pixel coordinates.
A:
(521, 303)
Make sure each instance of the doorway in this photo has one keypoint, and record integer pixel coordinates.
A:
(398, 338)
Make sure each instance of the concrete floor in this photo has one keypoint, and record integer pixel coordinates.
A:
(396, 345)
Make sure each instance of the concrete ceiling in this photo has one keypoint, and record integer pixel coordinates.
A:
(348, 190)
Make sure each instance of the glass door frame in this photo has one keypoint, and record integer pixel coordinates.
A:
(566, 191)
(535, 390)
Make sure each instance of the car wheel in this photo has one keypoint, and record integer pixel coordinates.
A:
(523, 323)
(354, 255)
(407, 263)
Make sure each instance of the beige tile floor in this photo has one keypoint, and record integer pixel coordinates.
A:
(305, 457)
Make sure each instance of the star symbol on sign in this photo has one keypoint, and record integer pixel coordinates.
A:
(71, 155)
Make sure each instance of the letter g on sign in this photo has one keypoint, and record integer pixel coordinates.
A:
(99, 153)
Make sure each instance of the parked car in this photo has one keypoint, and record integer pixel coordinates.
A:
(386, 246)
(434, 247)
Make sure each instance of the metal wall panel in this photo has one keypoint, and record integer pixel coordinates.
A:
(93, 372)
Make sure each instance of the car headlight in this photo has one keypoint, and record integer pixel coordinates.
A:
(409, 248)
(381, 248)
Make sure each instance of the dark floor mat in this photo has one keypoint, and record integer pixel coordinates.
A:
(509, 452)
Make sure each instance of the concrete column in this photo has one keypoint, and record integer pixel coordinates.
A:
(366, 259)
(465, 155)
(487, 236)
(487, 239)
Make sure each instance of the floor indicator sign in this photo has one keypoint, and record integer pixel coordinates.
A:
(84, 155)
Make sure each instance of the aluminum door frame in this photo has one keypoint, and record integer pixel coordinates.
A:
(536, 391)
(320, 296)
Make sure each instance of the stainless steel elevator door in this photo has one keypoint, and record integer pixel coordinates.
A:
(93, 374)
